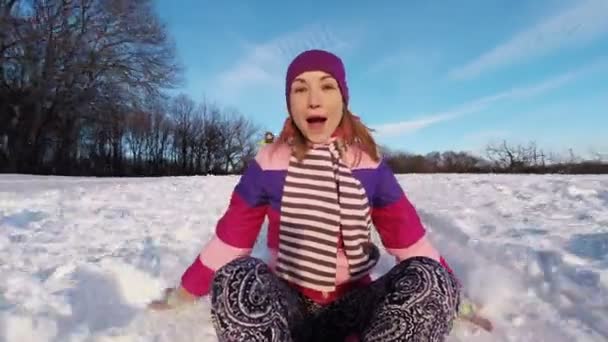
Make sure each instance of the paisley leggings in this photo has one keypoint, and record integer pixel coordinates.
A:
(416, 300)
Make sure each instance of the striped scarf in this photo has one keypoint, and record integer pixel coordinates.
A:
(321, 201)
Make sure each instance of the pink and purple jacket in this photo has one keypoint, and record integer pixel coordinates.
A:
(257, 195)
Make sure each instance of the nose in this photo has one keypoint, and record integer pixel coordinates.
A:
(314, 98)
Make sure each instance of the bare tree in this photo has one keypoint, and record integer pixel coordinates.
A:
(240, 141)
(60, 61)
(183, 114)
(139, 126)
(507, 157)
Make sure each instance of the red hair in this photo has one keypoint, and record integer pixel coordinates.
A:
(351, 131)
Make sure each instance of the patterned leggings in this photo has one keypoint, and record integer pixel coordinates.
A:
(417, 300)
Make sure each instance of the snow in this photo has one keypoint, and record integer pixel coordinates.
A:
(81, 257)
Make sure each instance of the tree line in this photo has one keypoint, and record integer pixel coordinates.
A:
(500, 157)
(83, 87)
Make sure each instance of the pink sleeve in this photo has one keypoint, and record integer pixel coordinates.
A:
(398, 224)
(392, 213)
(198, 277)
(235, 234)
(397, 221)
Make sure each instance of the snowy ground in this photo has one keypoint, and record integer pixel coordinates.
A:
(80, 258)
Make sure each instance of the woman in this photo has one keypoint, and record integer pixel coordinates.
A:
(268, 139)
(322, 185)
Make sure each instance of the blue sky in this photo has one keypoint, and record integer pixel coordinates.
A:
(426, 75)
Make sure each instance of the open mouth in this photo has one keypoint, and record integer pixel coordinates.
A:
(316, 119)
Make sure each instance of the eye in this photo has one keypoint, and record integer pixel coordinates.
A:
(328, 86)
(299, 89)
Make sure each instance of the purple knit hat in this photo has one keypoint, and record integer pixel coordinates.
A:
(317, 60)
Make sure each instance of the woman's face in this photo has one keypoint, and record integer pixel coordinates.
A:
(316, 105)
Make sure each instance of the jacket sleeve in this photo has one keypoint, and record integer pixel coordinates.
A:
(397, 220)
(235, 234)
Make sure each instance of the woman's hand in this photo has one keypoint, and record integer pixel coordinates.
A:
(172, 298)
(469, 311)
(480, 321)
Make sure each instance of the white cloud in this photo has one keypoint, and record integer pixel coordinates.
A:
(583, 22)
(517, 93)
(410, 126)
(265, 64)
